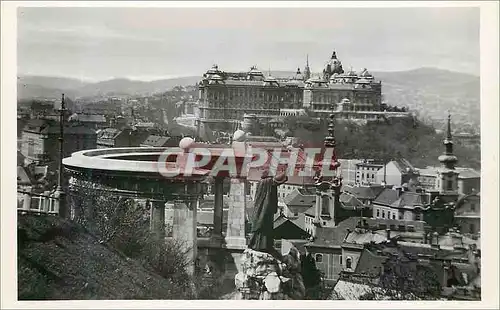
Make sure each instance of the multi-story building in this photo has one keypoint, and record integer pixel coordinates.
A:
(469, 180)
(397, 172)
(224, 97)
(366, 172)
(468, 213)
(40, 143)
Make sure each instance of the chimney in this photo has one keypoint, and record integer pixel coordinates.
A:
(399, 189)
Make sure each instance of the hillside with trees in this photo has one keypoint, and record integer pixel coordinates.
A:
(407, 138)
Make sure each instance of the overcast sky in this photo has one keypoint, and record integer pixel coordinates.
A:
(149, 43)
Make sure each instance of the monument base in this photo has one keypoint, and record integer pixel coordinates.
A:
(263, 276)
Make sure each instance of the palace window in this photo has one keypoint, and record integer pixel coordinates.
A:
(319, 258)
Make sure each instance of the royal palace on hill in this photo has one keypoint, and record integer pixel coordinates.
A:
(226, 97)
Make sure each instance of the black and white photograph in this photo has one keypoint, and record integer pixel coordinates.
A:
(327, 152)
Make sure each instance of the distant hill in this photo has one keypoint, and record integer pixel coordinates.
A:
(428, 91)
(433, 92)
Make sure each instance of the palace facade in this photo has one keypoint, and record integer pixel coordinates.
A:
(225, 97)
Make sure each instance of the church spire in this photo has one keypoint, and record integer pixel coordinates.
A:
(448, 160)
(330, 138)
(307, 70)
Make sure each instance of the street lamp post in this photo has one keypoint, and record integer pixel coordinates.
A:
(59, 194)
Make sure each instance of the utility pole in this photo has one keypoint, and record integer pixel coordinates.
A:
(60, 195)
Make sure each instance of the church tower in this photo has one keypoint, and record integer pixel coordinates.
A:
(307, 70)
(447, 178)
(328, 187)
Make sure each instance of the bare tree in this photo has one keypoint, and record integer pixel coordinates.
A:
(123, 223)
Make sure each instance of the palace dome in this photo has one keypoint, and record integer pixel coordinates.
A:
(365, 73)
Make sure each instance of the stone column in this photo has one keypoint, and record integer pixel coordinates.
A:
(235, 236)
(40, 203)
(157, 220)
(27, 200)
(183, 231)
(60, 203)
(218, 210)
(46, 201)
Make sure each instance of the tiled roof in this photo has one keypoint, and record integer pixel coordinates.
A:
(145, 125)
(469, 174)
(403, 165)
(155, 140)
(369, 263)
(45, 126)
(410, 200)
(108, 133)
(300, 221)
(349, 200)
(91, 118)
(297, 198)
(24, 177)
(387, 197)
(311, 211)
(20, 158)
(364, 192)
(359, 237)
(463, 173)
(333, 236)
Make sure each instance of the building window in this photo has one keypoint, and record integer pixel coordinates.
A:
(383, 214)
(473, 207)
(340, 259)
(378, 212)
(394, 216)
(348, 263)
(319, 258)
(449, 185)
(418, 217)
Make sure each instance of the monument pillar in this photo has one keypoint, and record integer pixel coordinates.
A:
(218, 209)
(184, 230)
(157, 220)
(235, 235)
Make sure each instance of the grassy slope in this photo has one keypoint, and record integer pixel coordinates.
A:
(60, 260)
